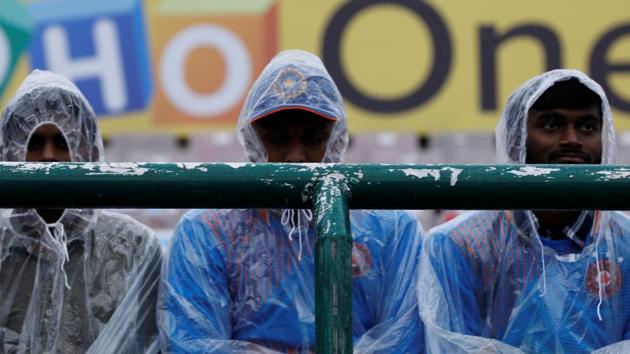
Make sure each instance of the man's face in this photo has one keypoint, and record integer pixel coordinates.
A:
(564, 136)
(294, 136)
(47, 144)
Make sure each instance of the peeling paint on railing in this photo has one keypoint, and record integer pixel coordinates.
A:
(369, 186)
(532, 171)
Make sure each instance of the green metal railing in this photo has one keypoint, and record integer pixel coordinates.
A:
(330, 190)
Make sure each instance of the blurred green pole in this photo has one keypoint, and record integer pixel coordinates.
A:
(333, 266)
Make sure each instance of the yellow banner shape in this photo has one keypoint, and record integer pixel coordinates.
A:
(450, 65)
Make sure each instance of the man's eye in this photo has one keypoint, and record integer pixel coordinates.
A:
(590, 127)
(60, 142)
(275, 139)
(36, 142)
(315, 139)
(551, 124)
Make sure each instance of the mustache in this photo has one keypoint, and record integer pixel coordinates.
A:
(571, 153)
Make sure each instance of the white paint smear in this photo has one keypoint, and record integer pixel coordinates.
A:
(192, 166)
(124, 168)
(311, 166)
(189, 165)
(336, 177)
(31, 166)
(422, 173)
(532, 171)
(89, 166)
(236, 165)
(331, 183)
(615, 174)
(116, 168)
(454, 174)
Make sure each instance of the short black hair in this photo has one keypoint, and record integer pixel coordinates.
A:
(569, 94)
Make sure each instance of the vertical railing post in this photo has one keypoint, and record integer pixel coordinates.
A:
(333, 264)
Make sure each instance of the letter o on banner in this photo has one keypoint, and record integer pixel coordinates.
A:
(442, 56)
(173, 70)
(5, 56)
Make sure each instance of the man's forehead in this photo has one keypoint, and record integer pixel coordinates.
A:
(293, 117)
(48, 127)
(568, 94)
(586, 112)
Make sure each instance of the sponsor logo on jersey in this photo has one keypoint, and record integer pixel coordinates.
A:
(361, 260)
(608, 277)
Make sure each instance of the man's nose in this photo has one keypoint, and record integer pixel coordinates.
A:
(570, 136)
(48, 152)
(296, 153)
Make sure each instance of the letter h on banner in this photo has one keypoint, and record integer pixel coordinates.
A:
(100, 45)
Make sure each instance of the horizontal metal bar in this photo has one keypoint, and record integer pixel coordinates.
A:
(228, 185)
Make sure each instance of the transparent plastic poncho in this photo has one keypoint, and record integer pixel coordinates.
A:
(489, 282)
(242, 281)
(88, 282)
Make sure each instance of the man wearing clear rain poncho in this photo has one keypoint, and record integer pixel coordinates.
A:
(72, 280)
(534, 281)
(242, 281)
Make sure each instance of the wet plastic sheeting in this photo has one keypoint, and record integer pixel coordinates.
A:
(242, 281)
(87, 282)
(490, 283)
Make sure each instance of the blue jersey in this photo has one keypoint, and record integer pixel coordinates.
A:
(236, 281)
(494, 280)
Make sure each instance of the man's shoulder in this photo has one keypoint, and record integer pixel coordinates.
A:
(382, 217)
(620, 221)
(120, 242)
(478, 219)
(214, 223)
(8, 236)
(386, 228)
(215, 217)
(113, 226)
(5, 221)
(479, 227)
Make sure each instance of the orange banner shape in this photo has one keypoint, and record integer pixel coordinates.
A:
(206, 56)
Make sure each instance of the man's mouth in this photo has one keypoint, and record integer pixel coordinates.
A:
(566, 157)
